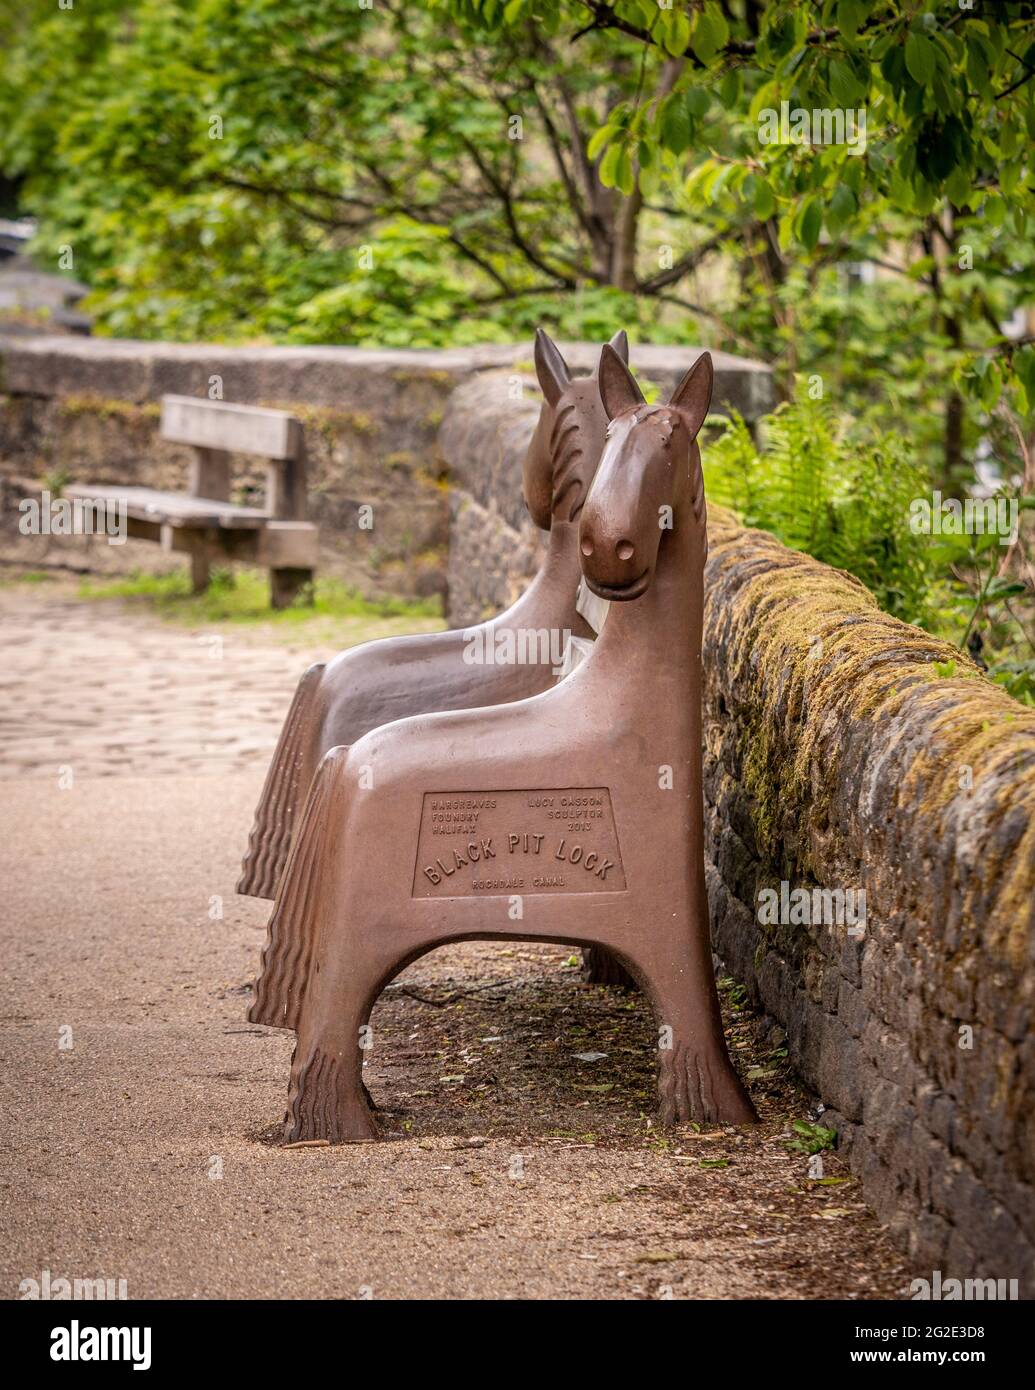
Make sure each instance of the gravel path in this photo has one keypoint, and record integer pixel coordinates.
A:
(141, 1138)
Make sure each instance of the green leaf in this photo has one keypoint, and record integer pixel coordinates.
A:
(1024, 366)
(977, 70)
(676, 34)
(920, 58)
(765, 203)
(811, 223)
(598, 140)
(841, 208)
(710, 33)
(675, 125)
(893, 68)
(844, 85)
(609, 164)
(698, 99)
(958, 186)
(624, 177)
(991, 386)
(1005, 588)
(850, 15)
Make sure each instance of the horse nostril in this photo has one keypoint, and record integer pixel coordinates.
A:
(587, 546)
(624, 550)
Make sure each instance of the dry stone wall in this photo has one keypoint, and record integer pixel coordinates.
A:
(87, 410)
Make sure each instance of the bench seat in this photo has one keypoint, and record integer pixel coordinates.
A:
(172, 508)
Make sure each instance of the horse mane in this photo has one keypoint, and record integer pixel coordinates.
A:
(566, 458)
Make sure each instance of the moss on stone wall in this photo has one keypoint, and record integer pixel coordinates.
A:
(846, 749)
(809, 655)
(433, 374)
(109, 408)
(328, 421)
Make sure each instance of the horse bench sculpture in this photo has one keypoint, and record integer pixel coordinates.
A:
(571, 816)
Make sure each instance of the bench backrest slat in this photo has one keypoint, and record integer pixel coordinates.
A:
(244, 429)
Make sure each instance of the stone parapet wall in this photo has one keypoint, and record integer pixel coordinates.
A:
(494, 547)
(838, 757)
(87, 410)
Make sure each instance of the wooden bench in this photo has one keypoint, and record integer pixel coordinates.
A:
(203, 522)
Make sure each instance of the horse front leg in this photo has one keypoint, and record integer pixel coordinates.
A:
(696, 1078)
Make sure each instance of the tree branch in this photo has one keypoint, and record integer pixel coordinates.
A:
(679, 268)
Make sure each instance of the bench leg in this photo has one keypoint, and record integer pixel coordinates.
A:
(285, 585)
(199, 571)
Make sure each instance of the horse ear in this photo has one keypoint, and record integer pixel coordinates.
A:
(618, 388)
(550, 368)
(693, 395)
(620, 343)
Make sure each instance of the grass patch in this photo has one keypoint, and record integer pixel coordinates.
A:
(27, 577)
(241, 596)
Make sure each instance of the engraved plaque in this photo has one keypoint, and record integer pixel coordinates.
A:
(495, 844)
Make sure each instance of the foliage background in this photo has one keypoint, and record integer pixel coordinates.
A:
(427, 172)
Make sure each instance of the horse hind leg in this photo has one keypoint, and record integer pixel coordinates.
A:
(287, 959)
(285, 787)
(327, 1098)
(601, 967)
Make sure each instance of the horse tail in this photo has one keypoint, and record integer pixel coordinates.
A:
(287, 959)
(270, 838)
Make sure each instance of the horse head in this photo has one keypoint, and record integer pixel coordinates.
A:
(648, 481)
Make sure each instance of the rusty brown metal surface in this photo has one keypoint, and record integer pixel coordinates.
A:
(337, 703)
(579, 808)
